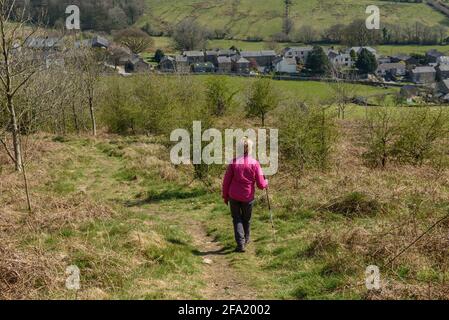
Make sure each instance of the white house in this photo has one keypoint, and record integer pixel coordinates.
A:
(286, 65)
(300, 53)
(340, 59)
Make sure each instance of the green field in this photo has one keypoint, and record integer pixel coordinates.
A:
(245, 18)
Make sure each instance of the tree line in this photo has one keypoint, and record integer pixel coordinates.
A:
(100, 15)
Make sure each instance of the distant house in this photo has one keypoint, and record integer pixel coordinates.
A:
(357, 50)
(99, 42)
(182, 64)
(383, 60)
(203, 67)
(226, 52)
(263, 58)
(443, 71)
(224, 64)
(443, 86)
(433, 55)
(136, 64)
(409, 92)
(194, 56)
(401, 57)
(212, 57)
(443, 60)
(286, 65)
(240, 64)
(299, 53)
(340, 59)
(167, 64)
(423, 75)
(391, 69)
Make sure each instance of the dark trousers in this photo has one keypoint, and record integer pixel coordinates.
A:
(241, 217)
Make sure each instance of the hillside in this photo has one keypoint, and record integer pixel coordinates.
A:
(245, 18)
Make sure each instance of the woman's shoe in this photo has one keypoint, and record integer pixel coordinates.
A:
(240, 249)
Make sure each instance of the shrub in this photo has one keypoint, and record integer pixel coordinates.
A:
(307, 136)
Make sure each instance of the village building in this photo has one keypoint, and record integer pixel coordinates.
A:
(286, 65)
(443, 60)
(423, 75)
(391, 69)
(167, 64)
(224, 64)
(182, 64)
(383, 60)
(340, 59)
(443, 87)
(263, 58)
(194, 56)
(443, 71)
(240, 65)
(212, 56)
(299, 53)
(136, 64)
(407, 59)
(357, 50)
(433, 55)
(203, 67)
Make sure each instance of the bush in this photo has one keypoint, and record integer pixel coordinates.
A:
(355, 204)
(307, 136)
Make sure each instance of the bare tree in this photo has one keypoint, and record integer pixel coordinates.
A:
(343, 94)
(90, 63)
(17, 67)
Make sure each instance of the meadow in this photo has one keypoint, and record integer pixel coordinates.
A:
(245, 18)
(139, 227)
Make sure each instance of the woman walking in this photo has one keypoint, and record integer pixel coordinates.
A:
(239, 182)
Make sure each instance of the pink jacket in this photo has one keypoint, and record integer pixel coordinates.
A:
(240, 179)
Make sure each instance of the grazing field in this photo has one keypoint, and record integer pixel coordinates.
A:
(245, 18)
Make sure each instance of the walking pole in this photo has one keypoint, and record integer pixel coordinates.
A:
(271, 216)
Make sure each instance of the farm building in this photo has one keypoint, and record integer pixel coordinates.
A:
(423, 75)
(391, 69)
(286, 65)
(167, 64)
(299, 53)
(224, 64)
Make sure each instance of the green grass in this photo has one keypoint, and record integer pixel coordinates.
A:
(264, 18)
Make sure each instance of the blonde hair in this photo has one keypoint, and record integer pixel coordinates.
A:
(246, 145)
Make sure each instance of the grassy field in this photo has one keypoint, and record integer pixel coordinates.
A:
(139, 227)
(264, 18)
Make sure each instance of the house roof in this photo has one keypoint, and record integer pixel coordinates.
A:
(443, 59)
(390, 66)
(443, 67)
(445, 83)
(289, 61)
(401, 56)
(425, 69)
(180, 58)
(98, 40)
(194, 53)
(164, 58)
(224, 60)
(226, 52)
(298, 49)
(358, 49)
(262, 53)
(434, 53)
